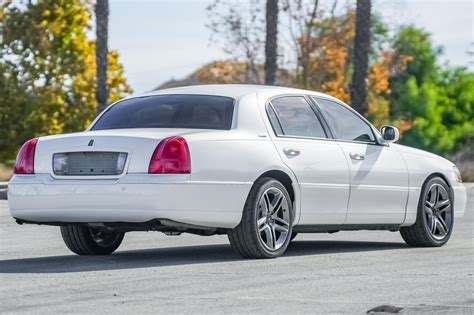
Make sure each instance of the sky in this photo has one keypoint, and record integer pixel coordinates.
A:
(163, 39)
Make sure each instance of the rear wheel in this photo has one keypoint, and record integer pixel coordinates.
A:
(434, 222)
(265, 228)
(293, 236)
(84, 240)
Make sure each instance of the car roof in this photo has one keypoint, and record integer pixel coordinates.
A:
(230, 90)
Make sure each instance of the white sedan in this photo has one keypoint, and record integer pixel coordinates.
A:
(257, 163)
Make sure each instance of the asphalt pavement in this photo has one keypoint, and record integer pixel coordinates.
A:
(346, 272)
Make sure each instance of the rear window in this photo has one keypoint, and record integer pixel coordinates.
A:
(169, 111)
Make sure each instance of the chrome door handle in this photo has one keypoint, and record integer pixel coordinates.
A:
(357, 156)
(291, 152)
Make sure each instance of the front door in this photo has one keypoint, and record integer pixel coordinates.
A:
(317, 161)
(378, 173)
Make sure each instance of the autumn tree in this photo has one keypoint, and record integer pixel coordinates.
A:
(361, 56)
(101, 52)
(47, 71)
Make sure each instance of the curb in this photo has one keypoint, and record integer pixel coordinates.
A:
(3, 194)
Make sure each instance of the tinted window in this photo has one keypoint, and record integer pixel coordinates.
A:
(169, 111)
(346, 124)
(297, 118)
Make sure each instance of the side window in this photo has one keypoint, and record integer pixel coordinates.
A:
(295, 117)
(346, 124)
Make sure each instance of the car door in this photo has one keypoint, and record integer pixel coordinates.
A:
(316, 160)
(378, 173)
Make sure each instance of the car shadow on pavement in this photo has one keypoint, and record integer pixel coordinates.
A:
(174, 256)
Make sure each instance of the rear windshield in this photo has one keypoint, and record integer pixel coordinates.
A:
(169, 111)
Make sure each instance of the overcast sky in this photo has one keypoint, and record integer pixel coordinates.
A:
(159, 40)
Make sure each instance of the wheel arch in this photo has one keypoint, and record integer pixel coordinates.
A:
(282, 177)
(444, 178)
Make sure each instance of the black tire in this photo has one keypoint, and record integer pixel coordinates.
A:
(293, 236)
(246, 239)
(420, 234)
(84, 240)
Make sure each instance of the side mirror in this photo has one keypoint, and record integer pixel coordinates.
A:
(390, 133)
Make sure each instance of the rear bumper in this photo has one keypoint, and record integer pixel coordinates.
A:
(132, 198)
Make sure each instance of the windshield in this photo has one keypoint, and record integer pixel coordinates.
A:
(169, 111)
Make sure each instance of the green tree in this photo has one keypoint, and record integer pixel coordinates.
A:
(47, 71)
(438, 102)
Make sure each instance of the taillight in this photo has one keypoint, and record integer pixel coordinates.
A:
(171, 156)
(25, 161)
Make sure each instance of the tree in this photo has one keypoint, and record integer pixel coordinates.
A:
(302, 22)
(239, 30)
(47, 71)
(437, 102)
(361, 56)
(271, 42)
(101, 52)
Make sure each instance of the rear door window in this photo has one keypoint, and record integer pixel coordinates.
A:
(294, 117)
(169, 111)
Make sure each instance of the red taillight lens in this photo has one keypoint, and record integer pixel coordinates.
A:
(25, 161)
(171, 156)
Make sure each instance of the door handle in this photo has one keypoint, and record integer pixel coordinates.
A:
(291, 152)
(357, 156)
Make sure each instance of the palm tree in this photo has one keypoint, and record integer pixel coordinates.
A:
(271, 42)
(101, 52)
(361, 57)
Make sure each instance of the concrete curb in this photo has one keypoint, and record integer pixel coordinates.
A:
(3, 190)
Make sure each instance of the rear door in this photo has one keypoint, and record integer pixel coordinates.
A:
(379, 176)
(316, 160)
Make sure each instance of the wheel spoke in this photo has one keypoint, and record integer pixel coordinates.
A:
(433, 224)
(428, 210)
(281, 228)
(443, 228)
(274, 239)
(261, 222)
(433, 195)
(276, 203)
(442, 203)
(281, 221)
(266, 203)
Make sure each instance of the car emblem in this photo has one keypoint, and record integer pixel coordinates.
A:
(91, 143)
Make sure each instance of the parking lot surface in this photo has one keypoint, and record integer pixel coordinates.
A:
(346, 272)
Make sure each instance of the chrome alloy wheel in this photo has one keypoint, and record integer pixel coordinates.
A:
(437, 210)
(273, 219)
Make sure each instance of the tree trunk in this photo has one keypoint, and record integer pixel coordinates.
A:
(101, 53)
(271, 42)
(361, 57)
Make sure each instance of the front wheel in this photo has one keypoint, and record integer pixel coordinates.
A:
(434, 222)
(265, 229)
(84, 240)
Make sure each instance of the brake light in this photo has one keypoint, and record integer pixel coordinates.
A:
(25, 161)
(171, 156)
